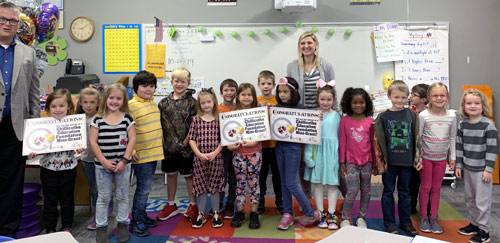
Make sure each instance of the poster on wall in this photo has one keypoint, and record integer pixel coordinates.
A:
(244, 125)
(295, 125)
(222, 2)
(47, 134)
(387, 42)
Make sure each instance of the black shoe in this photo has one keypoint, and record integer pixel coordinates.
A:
(392, 229)
(123, 233)
(229, 211)
(254, 221)
(468, 230)
(279, 205)
(138, 229)
(239, 218)
(150, 223)
(261, 209)
(217, 220)
(480, 237)
(199, 221)
(409, 230)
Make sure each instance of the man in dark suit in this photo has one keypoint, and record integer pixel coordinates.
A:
(19, 100)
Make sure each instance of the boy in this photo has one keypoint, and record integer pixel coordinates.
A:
(177, 110)
(148, 148)
(266, 85)
(396, 131)
(228, 92)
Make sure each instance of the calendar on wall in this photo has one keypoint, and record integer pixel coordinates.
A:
(121, 48)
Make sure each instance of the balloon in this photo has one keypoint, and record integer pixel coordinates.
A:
(27, 29)
(31, 10)
(46, 22)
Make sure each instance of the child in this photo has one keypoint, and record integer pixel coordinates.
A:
(228, 92)
(177, 111)
(288, 157)
(208, 167)
(438, 129)
(418, 103)
(476, 153)
(322, 160)
(355, 152)
(266, 85)
(149, 150)
(247, 160)
(112, 139)
(58, 170)
(396, 131)
(88, 103)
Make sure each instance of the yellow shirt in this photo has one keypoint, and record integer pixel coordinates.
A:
(269, 101)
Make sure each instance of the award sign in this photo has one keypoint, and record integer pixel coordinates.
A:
(249, 125)
(295, 125)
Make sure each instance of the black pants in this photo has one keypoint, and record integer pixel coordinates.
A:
(229, 176)
(12, 165)
(58, 188)
(269, 160)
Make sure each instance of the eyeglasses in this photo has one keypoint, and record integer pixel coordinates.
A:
(4, 20)
(415, 95)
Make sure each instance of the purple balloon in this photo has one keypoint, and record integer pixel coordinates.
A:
(46, 22)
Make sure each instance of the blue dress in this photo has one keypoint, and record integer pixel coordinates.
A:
(322, 160)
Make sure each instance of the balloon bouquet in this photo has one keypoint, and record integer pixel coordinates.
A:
(38, 24)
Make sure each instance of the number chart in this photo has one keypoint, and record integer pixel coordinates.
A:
(121, 48)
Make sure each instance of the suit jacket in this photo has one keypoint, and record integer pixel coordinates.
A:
(25, 89)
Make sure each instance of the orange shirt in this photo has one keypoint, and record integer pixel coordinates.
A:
(272, 101)
(223, 108)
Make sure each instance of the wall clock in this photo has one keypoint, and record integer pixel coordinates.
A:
(82, 28)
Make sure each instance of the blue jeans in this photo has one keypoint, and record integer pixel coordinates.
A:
(104, 181)
(89, 169)
(144, 173)
(288, 156)
(401, 174)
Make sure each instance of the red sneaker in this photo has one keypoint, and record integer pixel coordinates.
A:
(191, 212)
(167, 212)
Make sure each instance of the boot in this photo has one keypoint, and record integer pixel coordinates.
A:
(102, 235)
(122, 233)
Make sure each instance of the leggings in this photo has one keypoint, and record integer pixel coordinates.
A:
(358, 177)
(431, 177)
(332, 192)
(247, 170)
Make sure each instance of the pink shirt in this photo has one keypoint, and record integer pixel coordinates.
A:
(356, 141)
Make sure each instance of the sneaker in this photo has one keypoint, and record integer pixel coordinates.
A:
(361, 223)
(65, 229)
(92, 225)
(333, 221)
(423, 224)
(217, 220)
(392, 229)
(138, 229)
(261, 209)
(167, 212)
(199, 221)
(285, 222)
(436, 228)
(309, 220)
(345, 223)
(480, 237)
(409, 230)
(279, 205)
(101, 235)
(254, 221)
(191, 212)
(468, 230)
(322, 224)
(123, 233)
(229, 211)
(239, 218)
(150, 223)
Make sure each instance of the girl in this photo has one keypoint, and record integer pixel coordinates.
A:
(288, 157)
(58, 170)
(322, 160)
(476, 153)
(355, 152)
(112, 139)
(247, 160)
(208, 167)
(438, 127)
(88, 103)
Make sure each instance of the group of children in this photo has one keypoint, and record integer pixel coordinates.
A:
(183, 133)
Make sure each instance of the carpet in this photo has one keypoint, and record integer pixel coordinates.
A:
(179, 230)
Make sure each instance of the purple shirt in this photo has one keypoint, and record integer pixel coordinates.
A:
(355, 142)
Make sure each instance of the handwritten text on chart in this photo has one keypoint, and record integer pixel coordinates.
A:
(387, 42)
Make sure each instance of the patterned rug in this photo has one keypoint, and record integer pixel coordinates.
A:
(179, 230)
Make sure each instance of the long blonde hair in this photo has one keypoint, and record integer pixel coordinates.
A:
(215, 109)
(103, 108)
(300, 60)
(90, 92)
(485, 103)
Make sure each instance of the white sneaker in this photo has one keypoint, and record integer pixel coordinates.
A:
(344, 223)
(361, 223)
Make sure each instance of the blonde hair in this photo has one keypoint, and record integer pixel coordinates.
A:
(90, 92)
(398, 85)
(215, 110)
(485, 102)
(433, 86)
(182, 74)
(300, 60)
(61, 93)
(266, 74)
(242, 88)
(103, 108)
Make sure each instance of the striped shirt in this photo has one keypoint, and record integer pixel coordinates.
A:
(476, 145)
(112, 139)
(310, 90)
(438, 135)
(148, 133)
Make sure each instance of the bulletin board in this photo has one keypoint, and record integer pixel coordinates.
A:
(121, 48)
